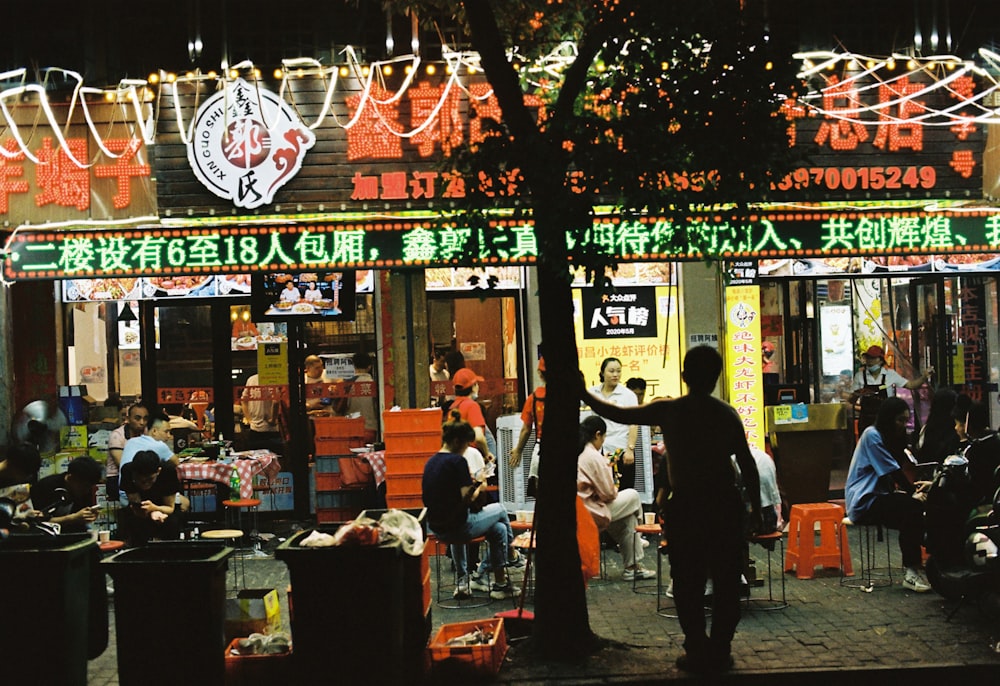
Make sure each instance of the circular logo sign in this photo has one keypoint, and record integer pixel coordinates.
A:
(246, 144)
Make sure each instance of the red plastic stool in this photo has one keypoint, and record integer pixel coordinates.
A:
(237, 506)
(832, 552)
(648, 530)
(440, 550)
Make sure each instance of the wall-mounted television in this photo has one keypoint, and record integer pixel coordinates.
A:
(319, 295)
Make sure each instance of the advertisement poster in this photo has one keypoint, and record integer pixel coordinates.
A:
(835, 339)
(743, 358)
(653, 352)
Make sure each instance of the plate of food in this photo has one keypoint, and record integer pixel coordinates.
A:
(323, 304)
(302, 308)
(234, 283)
(283, 305)
(182, 285)
(246, 343)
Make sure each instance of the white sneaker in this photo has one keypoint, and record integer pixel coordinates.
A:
(915, 581)
(462, 589)
(638, 573)
(480, 583)
(670, 589)
(645, 541)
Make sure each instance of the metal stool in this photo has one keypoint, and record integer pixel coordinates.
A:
(440, 550)
(868, 578)
(237, 506)
(767, 541)
(260, 486)
(198, 489)
(648, 530)
(234, 535)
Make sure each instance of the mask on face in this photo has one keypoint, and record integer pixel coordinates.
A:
(874, 369)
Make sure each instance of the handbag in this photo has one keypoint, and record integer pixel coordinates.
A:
(356, 472)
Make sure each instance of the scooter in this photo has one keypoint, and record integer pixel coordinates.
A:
(962, 540)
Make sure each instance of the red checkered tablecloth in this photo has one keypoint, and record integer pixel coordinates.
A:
(377, 461)
(247, 466)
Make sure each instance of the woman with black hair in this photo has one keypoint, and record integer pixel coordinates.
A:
(878, 492)
(937, 439)
(453, 512)
(617, 511)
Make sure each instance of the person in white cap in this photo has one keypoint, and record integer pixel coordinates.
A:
(875, 382)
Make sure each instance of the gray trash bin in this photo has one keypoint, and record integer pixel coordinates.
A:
(351, 621)
(50, 608)
(170, 601)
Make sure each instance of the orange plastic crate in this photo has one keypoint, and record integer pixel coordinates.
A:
(327, 515)
(412, 421)
(250, 670)
(404, 484)
(402, 502)
(339, 427)
(479, 659)
(405, 463)
(337, 446)
(425, 442)
(328, 482)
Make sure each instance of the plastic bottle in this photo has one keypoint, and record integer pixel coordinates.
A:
(234, 484)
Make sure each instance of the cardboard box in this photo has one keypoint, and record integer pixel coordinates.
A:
(97, 442)
(73, 437)
(253, 611)
(61, 460)
(74, 402)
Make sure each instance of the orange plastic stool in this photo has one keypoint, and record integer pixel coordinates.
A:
(803, 554)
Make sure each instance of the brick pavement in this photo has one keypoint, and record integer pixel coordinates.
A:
(828, 633)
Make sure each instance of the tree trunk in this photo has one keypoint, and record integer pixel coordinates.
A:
(562, 624)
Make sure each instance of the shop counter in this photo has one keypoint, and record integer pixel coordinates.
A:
(805, 440)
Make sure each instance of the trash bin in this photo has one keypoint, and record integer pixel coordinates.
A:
(54, 608)
(349, 620)
(169, 608)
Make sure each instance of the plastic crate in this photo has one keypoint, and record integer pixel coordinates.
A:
(328, 482)
(428, 442)
(412, 421)
(250, 670)
(405, 463)
(329, 515)
(344, 498)
(327, 464)
(402, 502)
(338, 446)
(476, 659)
(404, 484)
(339, 427)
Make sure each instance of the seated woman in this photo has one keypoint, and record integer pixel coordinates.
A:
(450, 496)
(614, 510)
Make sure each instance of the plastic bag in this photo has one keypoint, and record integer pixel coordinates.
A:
(404, 527)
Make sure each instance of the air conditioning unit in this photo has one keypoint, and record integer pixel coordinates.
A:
(514, 482)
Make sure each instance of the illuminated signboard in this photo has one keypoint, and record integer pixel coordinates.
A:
(306, 247)
(884, 131)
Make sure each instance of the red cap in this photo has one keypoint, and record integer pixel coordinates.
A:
(875, 351)
(465, 378)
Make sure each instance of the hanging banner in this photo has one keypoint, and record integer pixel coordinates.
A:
(743, 351)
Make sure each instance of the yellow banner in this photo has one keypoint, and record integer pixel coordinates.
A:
(742, 352)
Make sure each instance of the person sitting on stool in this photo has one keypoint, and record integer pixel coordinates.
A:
(150, 486)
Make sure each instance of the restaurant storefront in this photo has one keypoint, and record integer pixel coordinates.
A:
(174, 294)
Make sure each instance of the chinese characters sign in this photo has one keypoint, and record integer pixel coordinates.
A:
(743, 358)
(247, 143)
(163, 251)
(874, 134)
(971, 338)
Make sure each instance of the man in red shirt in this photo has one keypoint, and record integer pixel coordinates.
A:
(466, 392)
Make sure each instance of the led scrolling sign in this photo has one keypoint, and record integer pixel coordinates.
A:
(240, 249)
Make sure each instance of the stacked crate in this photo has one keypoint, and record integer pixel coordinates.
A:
(334, 438)
(411, 437)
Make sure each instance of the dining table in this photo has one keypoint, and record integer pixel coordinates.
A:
(248, 465)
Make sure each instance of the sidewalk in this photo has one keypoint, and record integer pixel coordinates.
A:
(827, 634)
